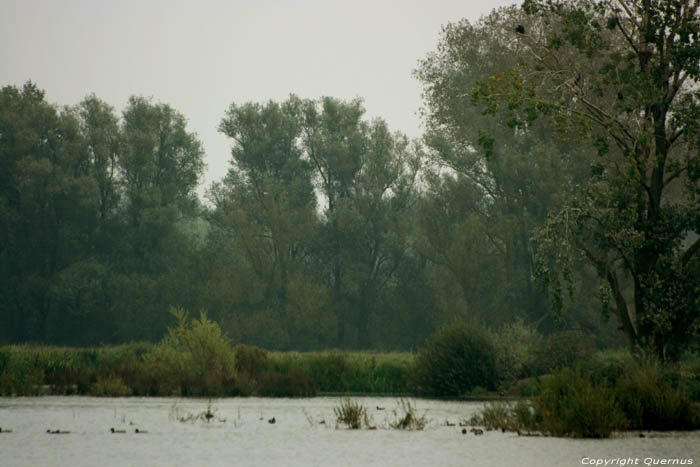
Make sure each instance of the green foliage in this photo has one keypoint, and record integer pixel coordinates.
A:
(569, 405)
(517, 346)
(250, 360)
(457, 358)
(636, 216)
(652, 403)
(293, 384)
(563, 349)
(193, 358)
(109, 387)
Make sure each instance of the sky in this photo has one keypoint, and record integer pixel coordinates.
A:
(201, 56)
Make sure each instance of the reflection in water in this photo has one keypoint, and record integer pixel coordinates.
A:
(240, 433)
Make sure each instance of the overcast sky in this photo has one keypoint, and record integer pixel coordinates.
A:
(200, 56)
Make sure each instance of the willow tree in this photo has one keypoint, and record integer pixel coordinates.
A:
(623, 74)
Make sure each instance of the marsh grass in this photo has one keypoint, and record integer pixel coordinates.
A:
(407, 418)
(351, 414)
(207, 415)
(110, 386)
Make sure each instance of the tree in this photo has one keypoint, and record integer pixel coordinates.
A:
(159, 164)
(366, 177)
(267, 206)
(493, 182)
(623, 75)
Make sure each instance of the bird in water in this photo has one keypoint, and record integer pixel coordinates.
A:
(477, 431)
(116, 431)
(5, 430)
(57, 432)
(137, 431)
(272, 420)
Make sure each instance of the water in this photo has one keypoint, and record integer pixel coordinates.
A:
(298, 438)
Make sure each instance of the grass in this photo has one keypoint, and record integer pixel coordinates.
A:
(351, 414)
(167, 369)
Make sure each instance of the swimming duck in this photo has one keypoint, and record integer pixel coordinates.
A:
(272, 420)
(477, 431)
(137, 431)
(117, 431)
(5, 431)
(57, 432)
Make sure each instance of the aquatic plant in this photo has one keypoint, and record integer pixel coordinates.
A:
(407, 417)
(351, 414)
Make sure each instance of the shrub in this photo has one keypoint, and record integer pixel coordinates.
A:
(111, 386)
(516, 344)
(561, 350)
(293, 384)
(329, 371)
(651, 403)
(250, 360)
(454, 360)
(569, 405)
(194, 358)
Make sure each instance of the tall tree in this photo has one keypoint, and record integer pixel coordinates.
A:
(494, 181)
(366, 176)
(625, 75)
(267, 204)
(159, 164)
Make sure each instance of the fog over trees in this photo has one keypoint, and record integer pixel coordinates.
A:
(560, 150)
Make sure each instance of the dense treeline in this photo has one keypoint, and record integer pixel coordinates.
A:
(332, 231)
(327, 231)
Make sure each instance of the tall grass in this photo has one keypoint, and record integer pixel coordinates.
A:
(196, 360)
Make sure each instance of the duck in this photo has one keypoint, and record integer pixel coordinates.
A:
(137, 431)
(380, 408)
(5, 430)
(112, 430)
(272, 420)
(477, 431)
(448, 423)
(464, 431)
(57, 432)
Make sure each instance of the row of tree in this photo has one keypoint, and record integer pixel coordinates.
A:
(330, 230)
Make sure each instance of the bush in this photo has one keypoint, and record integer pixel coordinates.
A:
(569, 405)
(293, 384)
(250, 360)
(651, 403)
(454, 360)
(561, 350)
(516, 345)
(193, 359)
(109, 387)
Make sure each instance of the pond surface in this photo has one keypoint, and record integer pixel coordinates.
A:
(305, 434)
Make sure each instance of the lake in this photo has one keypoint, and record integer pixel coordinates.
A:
(304, 434)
